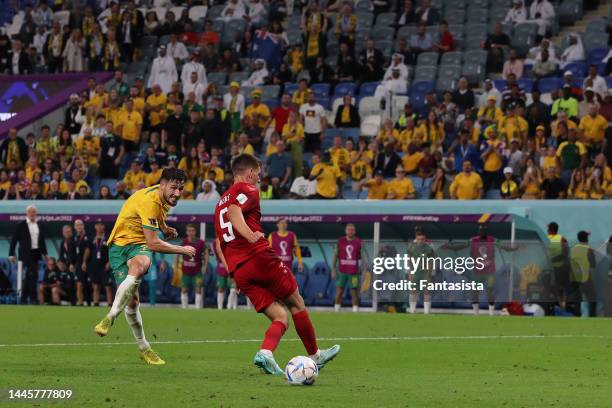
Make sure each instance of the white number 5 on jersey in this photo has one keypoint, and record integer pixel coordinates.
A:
(226, 225)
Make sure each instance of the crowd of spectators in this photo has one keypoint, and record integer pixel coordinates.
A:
(461, 144)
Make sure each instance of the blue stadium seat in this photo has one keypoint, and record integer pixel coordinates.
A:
(452, 58)
(386, 19)
(425, 73)
(597, 25)
(323, 101)
(368, 88)
(315, 290)
(449, 71)
(547, 85)
(217, 78)
(526, 84)
(344, 88)
(417, 99)
(427, 59)
(321, 90)
(593, 40)
(422, 86)
(579, 69)
(290, 88)
(577, 81)
(597, 55)
(609, 81)
(500, 84)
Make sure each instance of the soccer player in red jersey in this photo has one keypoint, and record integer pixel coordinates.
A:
(285, 244)
(194, 268)
(257, 271)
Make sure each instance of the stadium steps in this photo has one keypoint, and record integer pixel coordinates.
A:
(580, 26)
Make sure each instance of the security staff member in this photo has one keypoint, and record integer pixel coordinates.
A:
(98, 266)
(582, 258)
(558, 250)
(81, 249)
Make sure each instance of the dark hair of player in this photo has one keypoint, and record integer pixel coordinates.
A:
(553, 227)
(173, 174)
(191, 226)
(244, 162)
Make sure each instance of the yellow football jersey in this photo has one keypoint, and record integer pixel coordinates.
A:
(143, 209)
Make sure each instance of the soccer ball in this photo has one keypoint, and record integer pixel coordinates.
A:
(301, 370)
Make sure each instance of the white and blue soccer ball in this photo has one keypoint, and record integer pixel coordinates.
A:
(301, 370)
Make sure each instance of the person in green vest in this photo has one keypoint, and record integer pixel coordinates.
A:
(266, 191)
(408, 113)
(582, 258)
(417, 249)
(566, 103)
(558, 250)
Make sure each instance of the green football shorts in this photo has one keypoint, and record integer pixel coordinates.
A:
(344, 279)
(118, 256)
(192, 281)
(223, 282)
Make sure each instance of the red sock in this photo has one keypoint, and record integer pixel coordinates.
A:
(306, 331)
(273, 335)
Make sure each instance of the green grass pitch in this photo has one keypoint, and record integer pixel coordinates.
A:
(387, 360)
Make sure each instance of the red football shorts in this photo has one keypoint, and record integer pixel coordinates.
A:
(264, 279)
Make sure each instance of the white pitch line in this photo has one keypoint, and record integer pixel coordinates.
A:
(347, 339)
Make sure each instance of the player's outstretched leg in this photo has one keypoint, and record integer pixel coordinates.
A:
(264, 358)
(134, 320)
(137, 266)
(306, 331)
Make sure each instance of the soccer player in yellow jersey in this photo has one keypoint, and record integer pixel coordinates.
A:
(131, 245)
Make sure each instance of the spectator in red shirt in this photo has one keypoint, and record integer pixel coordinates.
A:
(446, 41)
(281, 113)
(188, 36)
(208, 36)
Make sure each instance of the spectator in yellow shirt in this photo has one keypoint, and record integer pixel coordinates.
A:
(489, 114)
(406, 136)
(130, 127)
(299, 96)
(509, 190)
(388, 134)
(326, 175)
(492, 156)
(134, 176)
(156, 108)
(550, 159)
(431, 130)
(99, 99)
(561, 118)
(213, 169)
(257, 113)
(579, 186)
(293, 131)
(139, 101)
(593, 127)
(532, 180)
(153, 177)
(512, 126)
(88, 148)
(378, 188)
(340, 157)
(412, 158)
(400, 187)
(467, 185)
(244, 146)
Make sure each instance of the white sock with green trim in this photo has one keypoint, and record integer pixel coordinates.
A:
(134, 320)
(232, 300)
(220, 299)
(198, 301)
(125, 292)
(184, 300)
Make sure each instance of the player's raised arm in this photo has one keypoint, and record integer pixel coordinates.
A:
(236, 218)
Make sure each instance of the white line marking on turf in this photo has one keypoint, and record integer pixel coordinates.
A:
(230, 341)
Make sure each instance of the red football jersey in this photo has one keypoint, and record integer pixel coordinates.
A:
(235, 247)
